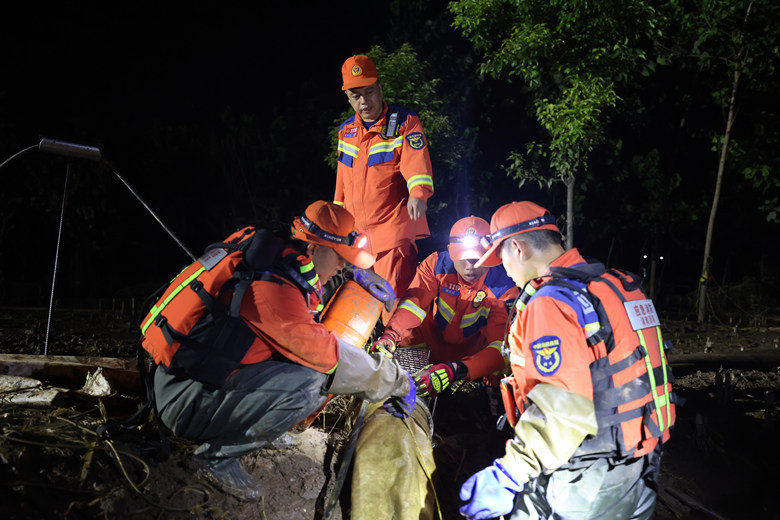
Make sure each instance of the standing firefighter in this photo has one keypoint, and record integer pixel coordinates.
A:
(241, 358)
(457, 310)
(591, 384)
(384, 173)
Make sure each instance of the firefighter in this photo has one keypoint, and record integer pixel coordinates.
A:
(589, 428)
(292, 364)
(384, 176)
(457, 310)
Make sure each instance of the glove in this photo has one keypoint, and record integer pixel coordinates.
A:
(385, 344)
(490, 493)
(402, 407)
(433, 379)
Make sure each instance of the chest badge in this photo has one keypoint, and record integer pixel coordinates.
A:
(481, 295)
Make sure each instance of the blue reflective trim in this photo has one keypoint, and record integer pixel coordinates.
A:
(345, 159)
(380, 158)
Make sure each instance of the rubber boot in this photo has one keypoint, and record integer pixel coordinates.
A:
(229, 476)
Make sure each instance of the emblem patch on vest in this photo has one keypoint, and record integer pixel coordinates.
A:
(478, 299)
(350, 132)
(415, 140)
(547, 354)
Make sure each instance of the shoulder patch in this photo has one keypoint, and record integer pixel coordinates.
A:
(416, 140)
(547, 354)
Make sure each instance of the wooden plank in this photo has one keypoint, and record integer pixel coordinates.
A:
(756, 359)
(71, 371)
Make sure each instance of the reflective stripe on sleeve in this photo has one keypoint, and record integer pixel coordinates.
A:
(419, 180)
(413, 308)
(348, 149)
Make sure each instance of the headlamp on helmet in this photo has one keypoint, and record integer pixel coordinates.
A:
(353, 239)
(488, 240)
(468, 241)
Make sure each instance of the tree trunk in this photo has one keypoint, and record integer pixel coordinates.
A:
(569, 213)
(715, 199)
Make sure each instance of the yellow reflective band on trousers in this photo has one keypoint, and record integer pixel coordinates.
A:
(157, 309)
(659, 400)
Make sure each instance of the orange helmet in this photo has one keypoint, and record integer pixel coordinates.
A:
(510, 220)
(330, 225)
(465, 238)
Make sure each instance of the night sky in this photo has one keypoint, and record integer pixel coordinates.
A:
(158, 88)
(149, 86)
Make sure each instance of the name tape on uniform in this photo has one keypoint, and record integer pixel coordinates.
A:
(642, 314)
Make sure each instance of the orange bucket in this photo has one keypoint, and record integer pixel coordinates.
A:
(352, 313)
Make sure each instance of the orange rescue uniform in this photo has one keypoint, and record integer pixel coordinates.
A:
(276, 311)
(376, 175)
(458, 321)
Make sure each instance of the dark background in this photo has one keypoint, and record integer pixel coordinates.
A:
(219, 116)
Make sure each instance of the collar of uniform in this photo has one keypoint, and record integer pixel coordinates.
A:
(570, 258)
(377, 126)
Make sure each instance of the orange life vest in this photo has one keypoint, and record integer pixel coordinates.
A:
(631, 378)
(194, 328)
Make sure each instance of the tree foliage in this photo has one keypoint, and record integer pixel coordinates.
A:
(734, 45)
(569, 55)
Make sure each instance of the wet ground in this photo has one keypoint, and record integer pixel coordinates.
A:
(720, 462)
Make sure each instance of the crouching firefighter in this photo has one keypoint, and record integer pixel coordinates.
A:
(241, 356)
(590, 395)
